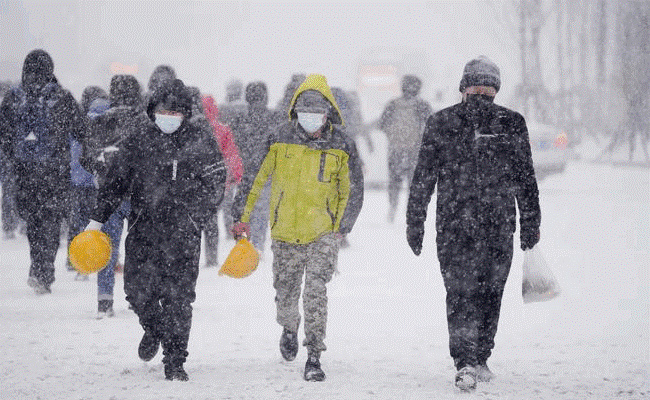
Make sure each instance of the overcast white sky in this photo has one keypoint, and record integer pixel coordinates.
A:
(209, 42)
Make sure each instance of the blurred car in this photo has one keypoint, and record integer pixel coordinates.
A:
(549, 147)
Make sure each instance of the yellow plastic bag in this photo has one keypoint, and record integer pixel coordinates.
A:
(242, 260)
(90, 251)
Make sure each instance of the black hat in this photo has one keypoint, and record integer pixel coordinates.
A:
(125, 91)
(38, 68)
(480, 71)
(173, 96)
(160, 74)
(257, 93)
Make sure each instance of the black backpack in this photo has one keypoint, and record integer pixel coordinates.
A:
(35, 140)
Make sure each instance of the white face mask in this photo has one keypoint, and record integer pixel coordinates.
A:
(311, 122)
(168, 123)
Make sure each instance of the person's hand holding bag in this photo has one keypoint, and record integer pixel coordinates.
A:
(528, 237)
(240, 229)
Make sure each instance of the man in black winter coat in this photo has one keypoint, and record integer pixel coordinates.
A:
(175, 176)
(37, 120)
(479, 156)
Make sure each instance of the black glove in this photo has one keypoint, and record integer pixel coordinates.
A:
(529, 236)
(414, 235)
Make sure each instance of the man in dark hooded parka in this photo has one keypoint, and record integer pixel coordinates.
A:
(37, 120)
(175, 176)
(478, 155)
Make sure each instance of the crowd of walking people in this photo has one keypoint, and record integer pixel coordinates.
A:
(173, 164)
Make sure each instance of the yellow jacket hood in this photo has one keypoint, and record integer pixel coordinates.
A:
(319, 83)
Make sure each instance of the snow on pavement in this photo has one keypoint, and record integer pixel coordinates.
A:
(387, 334)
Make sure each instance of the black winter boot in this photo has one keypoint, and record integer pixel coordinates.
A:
(289, 344)
(105, 309)
(174, 371)
(313, 372)
(148, 345)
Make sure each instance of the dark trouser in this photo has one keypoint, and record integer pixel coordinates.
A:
(113, 228)
(82, 201)
(212, 241)
(212, 228)
(41, 200)
(9, 213)
(401, 165)
(160, 274)
(475, 274)
(43, 234)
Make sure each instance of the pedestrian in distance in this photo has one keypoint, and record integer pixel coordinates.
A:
(174, 175)
(107, 133)
(403, 122)
(38, 118)
(478, 155)
(316, 197)
(235, 170)
(83, 190)
(10, 219)
(257, 126)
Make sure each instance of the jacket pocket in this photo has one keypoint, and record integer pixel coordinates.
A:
(328, 166)
(276, 209)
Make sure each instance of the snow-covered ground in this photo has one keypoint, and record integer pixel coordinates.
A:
(387, 333)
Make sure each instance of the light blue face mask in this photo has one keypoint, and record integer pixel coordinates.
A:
(168, 123)
(311, 122)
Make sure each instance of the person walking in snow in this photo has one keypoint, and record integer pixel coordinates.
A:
(478, 154)
(233, 110)
(106, 135)
(403, 122)
(37, 121)
(10, 219)
(257, 126)
(83, 191)
(159, 77)
(174, 175)
(316, 196)
(235, 171)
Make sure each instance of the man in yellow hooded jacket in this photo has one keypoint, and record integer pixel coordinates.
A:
(316, 196)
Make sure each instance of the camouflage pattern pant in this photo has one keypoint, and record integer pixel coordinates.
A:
(317, 261)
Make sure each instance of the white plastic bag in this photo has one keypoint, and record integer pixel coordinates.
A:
(538, 283)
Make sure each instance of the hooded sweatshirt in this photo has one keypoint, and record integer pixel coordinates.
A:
(106, 132)
(316, 183)
(48, 172)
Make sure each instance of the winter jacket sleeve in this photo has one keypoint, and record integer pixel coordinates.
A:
(76, 123)
(424, 110)
(230, 154)
(212, 178)
(386, 116)
(7, 124)
(252, 185)
(117, 183)
(526, 190)
(425, 175)
(354, 192)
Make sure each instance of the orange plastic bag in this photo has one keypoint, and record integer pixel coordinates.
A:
(538, 283)
(242, 260)
(90, 251)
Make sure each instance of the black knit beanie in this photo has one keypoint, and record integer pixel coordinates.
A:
(480, 71)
